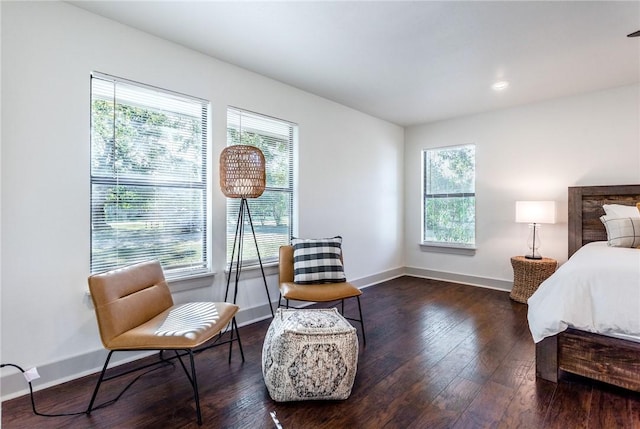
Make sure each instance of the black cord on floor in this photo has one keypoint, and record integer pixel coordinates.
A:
(104, 404)
(33, 403)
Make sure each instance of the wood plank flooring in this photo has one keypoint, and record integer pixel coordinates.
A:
(438, 355)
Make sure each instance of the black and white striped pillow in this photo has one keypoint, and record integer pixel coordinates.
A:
(317, 260)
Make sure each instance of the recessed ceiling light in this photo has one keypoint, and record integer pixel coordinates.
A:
(500, 86)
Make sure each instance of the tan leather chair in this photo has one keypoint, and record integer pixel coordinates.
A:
(322, 292)
(135, 311)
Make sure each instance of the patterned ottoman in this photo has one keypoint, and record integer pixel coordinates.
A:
(309, 354)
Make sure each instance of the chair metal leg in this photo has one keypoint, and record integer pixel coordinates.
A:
(231, 341)
(191, 375)
(95, 392)
(194, 383)
(364, 338)
(184, 367)
(235, 326)
(192, 379)
(231, 338)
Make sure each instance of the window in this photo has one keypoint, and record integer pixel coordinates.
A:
(449, 199)
(272, 212)
(148, 177)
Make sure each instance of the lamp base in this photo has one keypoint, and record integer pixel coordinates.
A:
(532, 257)
(238, 241)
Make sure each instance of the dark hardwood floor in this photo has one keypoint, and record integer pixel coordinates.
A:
(438, 355)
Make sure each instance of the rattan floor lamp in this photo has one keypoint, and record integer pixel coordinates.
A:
(242, 175)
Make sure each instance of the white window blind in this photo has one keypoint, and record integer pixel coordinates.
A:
(272, 213)
(148, 177)
(449, 200)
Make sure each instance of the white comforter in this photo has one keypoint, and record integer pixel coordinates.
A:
(596, 290)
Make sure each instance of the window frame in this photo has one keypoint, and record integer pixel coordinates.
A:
(458, 247)
(270, 189)
(202, 186)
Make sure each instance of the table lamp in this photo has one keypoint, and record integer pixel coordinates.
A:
(535, 213)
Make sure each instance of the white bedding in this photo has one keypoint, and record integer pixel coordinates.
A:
(596, 290)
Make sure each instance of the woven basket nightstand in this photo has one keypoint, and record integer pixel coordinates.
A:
(528, 274)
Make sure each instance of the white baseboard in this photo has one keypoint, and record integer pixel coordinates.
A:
(485, 282)
(14, 384)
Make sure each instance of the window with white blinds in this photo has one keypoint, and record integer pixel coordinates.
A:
(272, 213)
(148, 177)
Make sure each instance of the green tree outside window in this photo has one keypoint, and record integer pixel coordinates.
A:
(449, 195)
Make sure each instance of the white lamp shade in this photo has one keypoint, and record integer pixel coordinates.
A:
(536, 211)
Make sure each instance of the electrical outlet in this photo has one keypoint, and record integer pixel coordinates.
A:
(86, 296)
(31, 374)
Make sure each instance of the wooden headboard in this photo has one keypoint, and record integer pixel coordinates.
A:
(585, 209)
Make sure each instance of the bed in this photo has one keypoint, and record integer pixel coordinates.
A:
(611, 358)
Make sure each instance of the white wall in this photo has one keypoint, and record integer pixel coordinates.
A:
(349, 167)
(525, 153)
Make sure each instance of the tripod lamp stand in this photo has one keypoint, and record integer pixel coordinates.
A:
(242, 175)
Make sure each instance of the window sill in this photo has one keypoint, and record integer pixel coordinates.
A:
(456, 249)
(253, 270)
(205, 279)
(194, 281)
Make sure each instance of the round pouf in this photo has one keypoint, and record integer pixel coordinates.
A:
(309, 354)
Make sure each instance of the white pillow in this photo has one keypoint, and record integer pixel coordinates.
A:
(622, 232)
(620, 210)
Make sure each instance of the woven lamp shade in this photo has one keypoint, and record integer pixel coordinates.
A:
(242, 171)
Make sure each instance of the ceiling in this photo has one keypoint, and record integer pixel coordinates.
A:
(408, 62)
